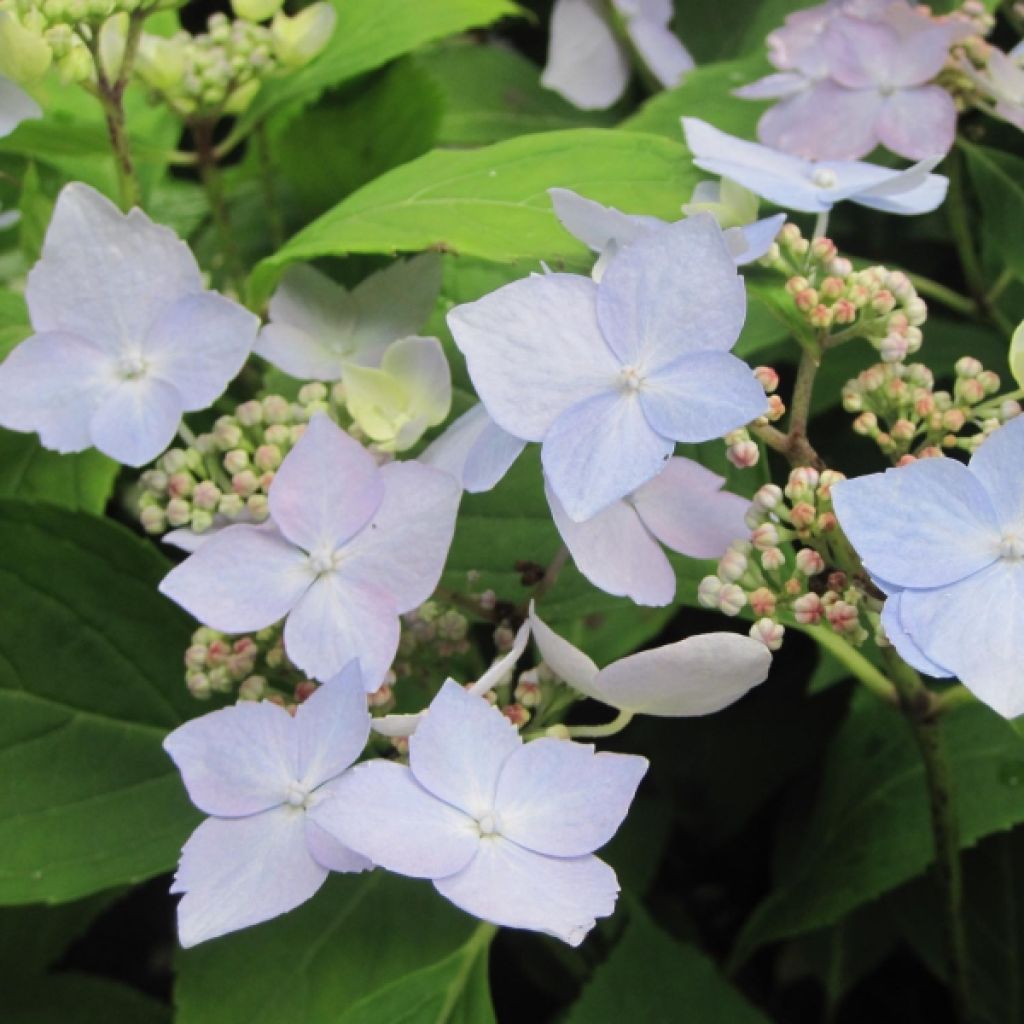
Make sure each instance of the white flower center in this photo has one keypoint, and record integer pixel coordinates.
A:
(132, 366)
(487, 825)
(323, 560)
(630, 378)
(1011, 546)
(297, 795)
(823, 177)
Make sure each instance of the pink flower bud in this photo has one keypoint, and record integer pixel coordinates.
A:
(883, 302)
(806, 300)
(195, 657)
(743, 455)
(803, 515)
(227, 433)
(989, 381)
(797, 284)
(527, 690)
(903, 431)
(828, 479)
(807, 609)
(249, 414)
(708, 591)
(516, 714)
(953, 420)
(906, 460)
(236, 460)
(767, 377)
(207, 495)
(844, 312)
(824, 249)
(768, 632)
(776, 409)
(731, 599)
(827, 522)
(180, 485)
(765, 536)
(245, 483)
(267, 457)
(809, 562)
(832, 288)
(768, 496)
(802, 482)
(762, 602)
(731, 566)
(840, 267)
(773, 559)
(1009, 409)
(967, 367)
(820, 316)
(893, 348)
(843, 617)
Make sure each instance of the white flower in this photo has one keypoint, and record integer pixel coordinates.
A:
(126, 337)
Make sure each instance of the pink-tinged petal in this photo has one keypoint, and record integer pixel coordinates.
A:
(237, 761)
(242, 871)
(332, 726)
(616, 553)
(685, 508)
(702, 396)
(403, 549)
(661, 50)
(459, 747)
(329, 853)
(564, 799)
(569, 663)
(516, 888)
(136, 420)
(773, 87)
(923, 525)
(586, 63)
(15, 106)
(199, 344)
(380, 810)
(904, 643)
(696, 676)
(105, 275)
(474, 450)
(52, 384)
(600, 451)
(998, 464)
(534, 349)
(923, 53)
(918, 123)
(327, 488)
(861, 54)
(337, 620)
(825, 122)
(244, 578)
(671, 292)
(973, 629)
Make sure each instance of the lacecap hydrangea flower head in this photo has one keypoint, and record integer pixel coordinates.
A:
(945, 542)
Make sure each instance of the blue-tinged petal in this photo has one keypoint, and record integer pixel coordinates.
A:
(660, 49)
(474, 450)
(15, 106)
(999, 465)
(136, 420)
(600, 451)
(922, 525)
(757, 238)
(904, 643)
(701, 396)
(328, 852)
(595, 225)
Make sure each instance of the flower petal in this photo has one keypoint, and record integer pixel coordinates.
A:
(516, 888)
(15, 106)
(379, 809)
(696, 676)
(685, 508)
(458, 750)
(241, 579)
(586, 63)
(564, 799)
(918, 123)
(105, 275)
(597, 226)
(239, 872)
(327, 488)
(672, 291)
(329, 853)
(616, 553)
(998, 464)
(136, 420)
(701, 396)
(237, 761)
(757, 238)
(534, 349)
(923, 525)
(661, 50)
(474, 450)
(861, 54)
(912, 191)
(199, 344)
(52, 383)
(403, 549)
(600, 451)
(903, 642)
(337, 620)
(569, 663)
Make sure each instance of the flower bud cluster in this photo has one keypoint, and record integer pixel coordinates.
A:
(254, 666)
(740, 449)
(897, 406)
(781, 572)
(228, 471)
(839, 303)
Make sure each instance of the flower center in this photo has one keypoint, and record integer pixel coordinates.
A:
(132, 366)
(487, 825)
(823, 177)
(297, 795)
(323, 561)
(630, 378)
(1011, 546)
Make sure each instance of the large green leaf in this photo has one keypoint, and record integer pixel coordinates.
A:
(358, 935)
(650, 977)
(368, 34)
(81, 998)
(29, 471)
(493, 202)
(998, 179)
(90, 683)
(870, 830)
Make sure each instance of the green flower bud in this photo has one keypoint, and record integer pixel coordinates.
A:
(299, 39)
(24, 55)
(256, 10)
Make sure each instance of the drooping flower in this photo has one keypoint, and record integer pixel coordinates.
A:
(696, 676)
(813, 186)
(945, 542)
(262, 775)
(610, 376)
(349, 546)
(410, 391)
(607, 230)
(474, 450)
(317, 326)
(126, 340)
(590, 65)
(683, 507)
(505, 830)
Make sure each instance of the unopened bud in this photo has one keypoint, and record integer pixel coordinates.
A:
(768, 632)
(807, 609)
(809, 562)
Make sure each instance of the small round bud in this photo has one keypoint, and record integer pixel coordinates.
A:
(809, 562)
(708, 591)
(807, 609)
(768, 632)
(773, 559)
(252, 688)
(731, 599)
(236, 460)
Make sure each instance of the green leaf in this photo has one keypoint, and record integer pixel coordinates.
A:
(358, 935)
(453, 991)
(370, 33)
(81, 998)
(493, 202)
(999, 185)
(493, 93)
(870, 830)
(715, 31)
(650, 977)
(90, 684)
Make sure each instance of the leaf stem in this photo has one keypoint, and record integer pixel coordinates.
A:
(950, 298)
(616, 725)
(870, 677)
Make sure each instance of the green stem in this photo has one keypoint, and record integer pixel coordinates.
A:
(820, 225)
(947, 296)
(921, 709)
(794, 444)
(870, 677)
(616, 725)
(1002, 283)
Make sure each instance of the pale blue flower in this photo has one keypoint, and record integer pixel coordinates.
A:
(945, 541)
(610, 375)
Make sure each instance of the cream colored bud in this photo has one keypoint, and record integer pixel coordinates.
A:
(297, 40)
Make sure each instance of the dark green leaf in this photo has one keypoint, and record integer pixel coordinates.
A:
(78, 999)
(999, 185)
